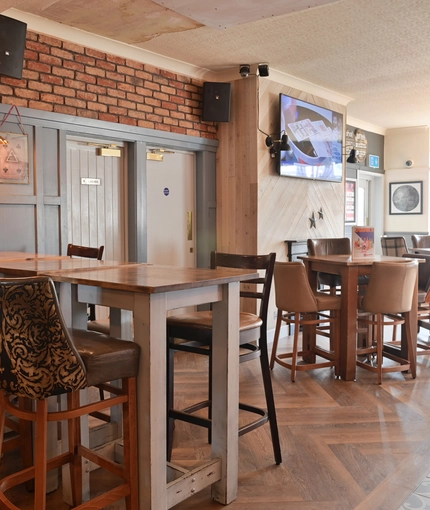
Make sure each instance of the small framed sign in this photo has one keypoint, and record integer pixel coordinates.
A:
(373, 161)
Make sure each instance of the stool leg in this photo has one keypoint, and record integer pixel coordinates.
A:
(74, 436)
(295, 348)
(379, 345)
(41, 454)
(276, 339)
(130, 443)
(411, 347)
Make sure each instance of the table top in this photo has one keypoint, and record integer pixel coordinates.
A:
(349, 260)
(22, 255)
(151, 279)
(50, 265)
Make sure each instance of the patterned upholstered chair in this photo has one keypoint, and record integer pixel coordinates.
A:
(40, 358)
(393, 246)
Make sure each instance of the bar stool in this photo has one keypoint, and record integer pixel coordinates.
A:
(298, 305)
(195, 333)
(388, 301)
(40, 358)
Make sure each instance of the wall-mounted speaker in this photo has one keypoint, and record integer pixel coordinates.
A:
(216, 101)
(12, 45)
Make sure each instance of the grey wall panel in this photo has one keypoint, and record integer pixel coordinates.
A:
(17, 227)
(51, 228)
(50, 162)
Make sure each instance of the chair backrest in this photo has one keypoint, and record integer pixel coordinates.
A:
(393, 246)
(37, 356)
(292, 289)
(423, 275)
(73, 250)
(391, 287)
(329, 246)
(257, 288)
(420, 241)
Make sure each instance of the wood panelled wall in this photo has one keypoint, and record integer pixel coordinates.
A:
(256, 208)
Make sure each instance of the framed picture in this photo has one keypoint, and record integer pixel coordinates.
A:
(406, 197)
(14, 159)
(350, 201)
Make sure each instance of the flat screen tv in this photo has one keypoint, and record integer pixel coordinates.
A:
(315, 135)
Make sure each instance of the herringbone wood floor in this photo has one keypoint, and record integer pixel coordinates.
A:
(346, 445)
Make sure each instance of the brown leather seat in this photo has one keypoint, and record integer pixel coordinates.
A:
(422, 241)
(329, 246)
(298, 305)
(388, 300)
(194, 331)
(423, 298)
(40, 358)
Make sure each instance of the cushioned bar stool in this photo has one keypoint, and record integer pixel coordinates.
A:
(420, 241)
(40, 358)
(388, 301)
(423, 298)
(194, 331)
(297, 304)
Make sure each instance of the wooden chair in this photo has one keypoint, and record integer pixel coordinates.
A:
(298, 305)
(73, 250)
(393, 246)
(422, 241)
(388, 300)
(195, 333)
(41, 358)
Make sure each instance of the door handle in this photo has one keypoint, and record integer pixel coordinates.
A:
(190, 225)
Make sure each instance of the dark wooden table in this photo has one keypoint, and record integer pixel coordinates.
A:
(350, 268)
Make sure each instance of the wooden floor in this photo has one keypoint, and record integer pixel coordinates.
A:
(345, 445)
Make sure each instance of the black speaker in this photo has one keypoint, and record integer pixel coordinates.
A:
(12, 45)
(216, 101)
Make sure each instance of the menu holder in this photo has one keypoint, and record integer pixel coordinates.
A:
(363, 242)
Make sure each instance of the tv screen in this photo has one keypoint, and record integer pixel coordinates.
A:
(315, 136)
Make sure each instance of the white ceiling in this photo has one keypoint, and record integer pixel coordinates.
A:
(376, 52)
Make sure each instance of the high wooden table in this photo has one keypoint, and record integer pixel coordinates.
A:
(149, 291)
(350, 269)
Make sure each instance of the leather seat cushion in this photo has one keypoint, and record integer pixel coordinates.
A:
(203, 320)
(327, 301)
(106, 358)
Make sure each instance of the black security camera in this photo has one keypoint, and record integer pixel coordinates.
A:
(244, 70)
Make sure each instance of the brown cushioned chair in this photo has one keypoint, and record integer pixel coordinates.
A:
(422, 241)
(388, 300)
(40, 358)
(195, 333)
(329, 246)
(298, 305)
(423, 298)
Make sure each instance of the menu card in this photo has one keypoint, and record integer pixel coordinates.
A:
(363, 241)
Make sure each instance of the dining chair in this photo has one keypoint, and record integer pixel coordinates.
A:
(40, 358)
(388, 300)
(297, 304)
(423, 298)
(74, 250)
(393, 246)
(420, 241)
(329, 246)
(192, 332)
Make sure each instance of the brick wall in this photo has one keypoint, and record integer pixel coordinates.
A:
(67, 78)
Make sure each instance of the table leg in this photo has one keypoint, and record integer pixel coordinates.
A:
(225, 397)
(348, 323)
(150, 334)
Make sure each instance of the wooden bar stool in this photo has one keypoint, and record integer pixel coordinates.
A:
(40, 358)
(298, 305)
